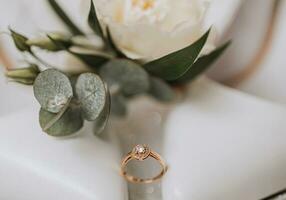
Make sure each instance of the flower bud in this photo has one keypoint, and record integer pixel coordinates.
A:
(24, 75)
(20, 41)
(46, 43)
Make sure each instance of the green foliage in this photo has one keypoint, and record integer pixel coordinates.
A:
(94, 22)
(46, 43)
(202, 64)
(92, 60)
(64, 17)
(66, 101)
(20, 41)
(160, 90)
(129, 77)
(62, 113)
(69, 122)
(53, 90)
(25, 75)
(118, 105)
(91, 94)
(176, 64)
(95, 25)
(102, 119)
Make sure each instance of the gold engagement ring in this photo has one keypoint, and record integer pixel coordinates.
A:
(141, 153)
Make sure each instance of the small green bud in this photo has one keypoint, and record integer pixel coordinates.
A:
(24, 81)
(20, 41)
(25, 76)
(46, 43)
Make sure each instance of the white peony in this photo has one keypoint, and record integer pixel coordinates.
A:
(148, 29)
(144, 29)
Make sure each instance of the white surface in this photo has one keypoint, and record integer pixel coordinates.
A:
(36, 166)
(14, 97)
(223, 144)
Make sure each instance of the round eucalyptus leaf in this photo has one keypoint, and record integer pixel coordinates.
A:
(91, 94)
(118, 105)
(160, 90)
(101, 121)
(53, 90)
(130, 77)
(68, 123)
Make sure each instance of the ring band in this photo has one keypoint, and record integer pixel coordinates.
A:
(140, 153)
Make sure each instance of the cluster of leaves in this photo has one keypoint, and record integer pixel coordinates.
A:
(67, 100)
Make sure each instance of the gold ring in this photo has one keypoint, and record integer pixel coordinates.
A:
(141, 153)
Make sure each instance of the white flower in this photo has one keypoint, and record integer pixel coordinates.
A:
(144, 29)
(149, 29)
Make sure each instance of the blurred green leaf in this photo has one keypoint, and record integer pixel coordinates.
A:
(53, 90)
(69, 122)
(94, 22)
(20, 41)
(160, 90)
(176, 64)
(202, 64)
(129, 77)
(64, 17)
(91, 60)
(118, 105)
(102, 119)
(91, 94)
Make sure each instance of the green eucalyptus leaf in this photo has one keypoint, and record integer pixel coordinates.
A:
(69, 122)
(160, 90)
(118, 105)
(202, 64)
(20, 41)
(176, 64)
(46, 43)
(53, 90)
(102, 119)
(64, 17)
(129, 77)
(94, 22)
(91, 94)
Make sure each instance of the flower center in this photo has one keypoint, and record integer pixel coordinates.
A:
(143, 4)
(145, 11)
